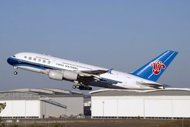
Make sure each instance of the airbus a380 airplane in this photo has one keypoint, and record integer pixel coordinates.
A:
(84, 75)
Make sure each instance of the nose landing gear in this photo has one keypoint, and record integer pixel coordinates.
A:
(15, 73)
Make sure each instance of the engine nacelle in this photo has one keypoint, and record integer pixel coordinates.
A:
(55, 75)
(70, 75)
(67, 75)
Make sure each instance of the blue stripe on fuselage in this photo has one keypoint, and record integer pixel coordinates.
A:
(18, 62)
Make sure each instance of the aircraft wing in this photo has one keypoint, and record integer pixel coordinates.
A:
(93, 75)
(97, 72)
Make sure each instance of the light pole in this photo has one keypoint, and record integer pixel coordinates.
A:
(103, 107)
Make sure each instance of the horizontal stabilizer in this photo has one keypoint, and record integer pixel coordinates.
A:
(154, 85)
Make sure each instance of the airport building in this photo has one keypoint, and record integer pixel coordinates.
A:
(162, 104)
(41, 103)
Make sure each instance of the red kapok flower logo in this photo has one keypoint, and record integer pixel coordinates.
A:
(157, 66)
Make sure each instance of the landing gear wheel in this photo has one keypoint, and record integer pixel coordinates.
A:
(15, 72)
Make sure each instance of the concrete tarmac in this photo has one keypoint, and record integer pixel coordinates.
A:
(97, 123)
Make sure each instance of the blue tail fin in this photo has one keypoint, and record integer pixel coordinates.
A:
(154, 69)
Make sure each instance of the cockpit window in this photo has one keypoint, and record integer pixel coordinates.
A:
(13, 55)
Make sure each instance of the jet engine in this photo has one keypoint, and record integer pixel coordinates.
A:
(63, 75)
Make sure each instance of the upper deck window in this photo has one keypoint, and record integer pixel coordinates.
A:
(34, 59)
(44, 61)
(25, 57)
(30, 58)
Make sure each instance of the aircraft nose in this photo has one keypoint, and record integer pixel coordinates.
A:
(10, 61)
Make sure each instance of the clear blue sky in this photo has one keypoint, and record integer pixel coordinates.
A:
(119, 34)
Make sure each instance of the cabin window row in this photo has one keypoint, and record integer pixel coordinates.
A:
(39, 60)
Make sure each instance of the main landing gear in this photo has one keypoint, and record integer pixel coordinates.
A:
(80, 87)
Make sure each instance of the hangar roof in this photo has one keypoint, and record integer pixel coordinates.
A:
(157, 92)
(45, 95)
(50, 91)
(32, 94)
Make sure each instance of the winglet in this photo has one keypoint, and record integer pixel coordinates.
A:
(110, 70)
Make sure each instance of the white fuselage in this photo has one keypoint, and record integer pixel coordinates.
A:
(44, 63)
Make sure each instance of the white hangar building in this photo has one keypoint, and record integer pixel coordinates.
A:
(41, 103)
(163, 104)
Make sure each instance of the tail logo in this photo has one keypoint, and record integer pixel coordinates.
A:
(157, 66)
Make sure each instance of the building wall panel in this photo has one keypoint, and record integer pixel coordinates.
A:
(20, 108)
(109, 107)
(181, 108)
(158, 108)
(130, 107)
(97, 107)
(141, 106)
